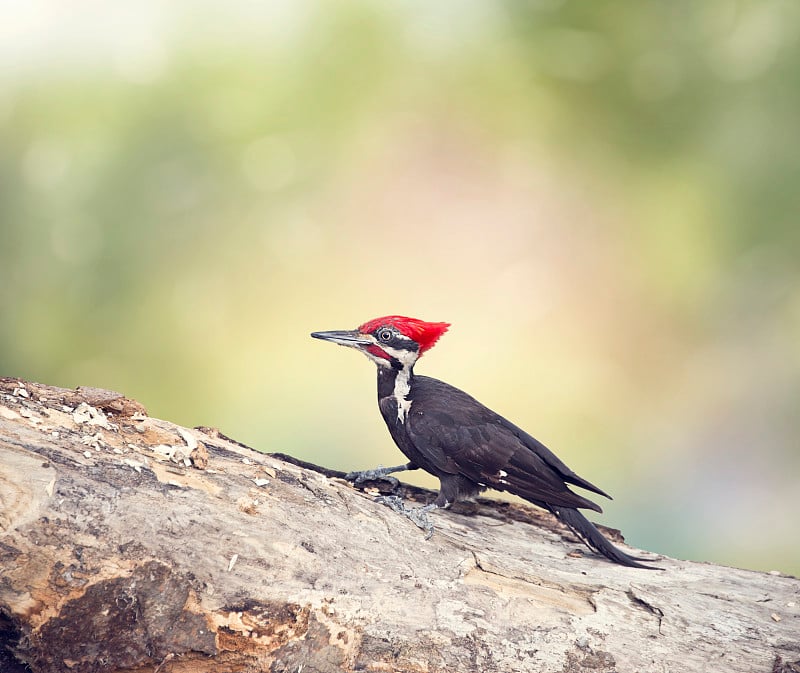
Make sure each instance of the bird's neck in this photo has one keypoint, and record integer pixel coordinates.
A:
(396, 382)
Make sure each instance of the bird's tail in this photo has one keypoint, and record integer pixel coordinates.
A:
(594, 539)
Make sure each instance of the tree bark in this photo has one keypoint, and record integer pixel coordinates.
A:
(130, 544)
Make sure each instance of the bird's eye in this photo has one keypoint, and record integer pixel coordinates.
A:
(385, 335)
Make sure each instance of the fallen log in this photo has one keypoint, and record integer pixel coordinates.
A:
(128, 543)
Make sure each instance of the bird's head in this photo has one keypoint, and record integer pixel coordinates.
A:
(391, 341)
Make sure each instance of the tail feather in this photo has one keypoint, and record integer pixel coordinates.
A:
(594, 539)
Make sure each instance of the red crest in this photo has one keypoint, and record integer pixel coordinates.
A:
(426, 334)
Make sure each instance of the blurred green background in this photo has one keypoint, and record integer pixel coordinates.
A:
(602, 197)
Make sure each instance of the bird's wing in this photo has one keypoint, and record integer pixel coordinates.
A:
(551, 459)
(461, 436)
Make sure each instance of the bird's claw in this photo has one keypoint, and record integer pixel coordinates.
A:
(393, 502)
(365, 476)
(417, 515)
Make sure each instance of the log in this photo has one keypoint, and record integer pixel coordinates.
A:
(128, 543)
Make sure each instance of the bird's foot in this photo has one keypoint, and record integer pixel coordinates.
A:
(363, 477)
(417, 515)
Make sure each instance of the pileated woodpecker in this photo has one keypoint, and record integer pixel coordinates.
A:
(454, 437)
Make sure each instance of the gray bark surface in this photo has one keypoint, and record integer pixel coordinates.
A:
(130, 544)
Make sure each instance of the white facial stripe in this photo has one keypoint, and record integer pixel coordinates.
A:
(381, 362)
(402, 384)
(406, 357)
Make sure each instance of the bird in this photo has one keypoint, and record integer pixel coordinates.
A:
(467, 446)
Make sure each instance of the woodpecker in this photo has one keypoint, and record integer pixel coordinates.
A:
(451, 435)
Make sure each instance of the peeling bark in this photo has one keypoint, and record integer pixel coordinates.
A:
(129, 544)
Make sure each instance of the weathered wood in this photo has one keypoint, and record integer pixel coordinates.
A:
(125, 547)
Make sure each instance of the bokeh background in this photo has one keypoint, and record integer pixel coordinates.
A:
(602, 197)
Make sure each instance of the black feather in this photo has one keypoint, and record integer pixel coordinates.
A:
(469, 447)
(594, 539)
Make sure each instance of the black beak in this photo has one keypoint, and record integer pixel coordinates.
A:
(343, 338)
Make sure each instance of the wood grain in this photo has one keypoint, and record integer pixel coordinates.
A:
(122, 548)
